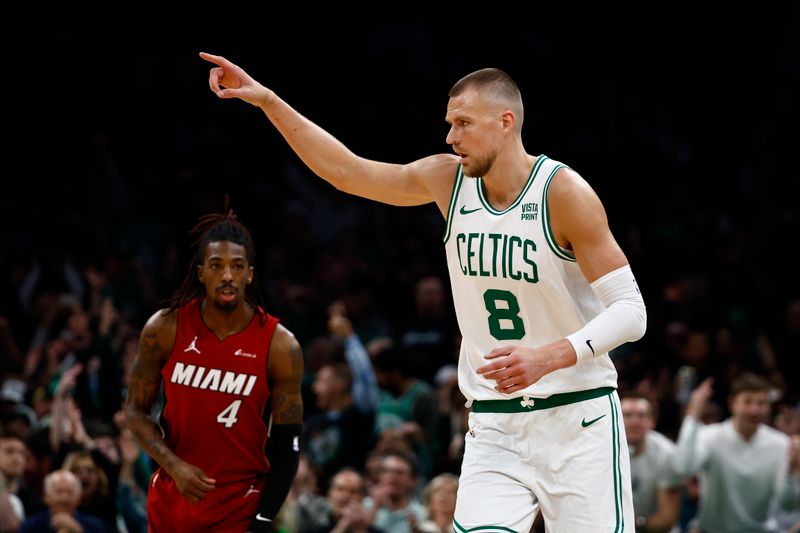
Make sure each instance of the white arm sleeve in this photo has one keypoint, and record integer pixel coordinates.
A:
(623, 320)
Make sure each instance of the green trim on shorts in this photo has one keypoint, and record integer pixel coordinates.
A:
(526, 404)
(458, 528)
(617, 470)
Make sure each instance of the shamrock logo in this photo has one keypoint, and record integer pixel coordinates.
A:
(526, 402)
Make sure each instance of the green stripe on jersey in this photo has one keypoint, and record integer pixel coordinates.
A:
(539, 161)
(453, 198)
(548, 231)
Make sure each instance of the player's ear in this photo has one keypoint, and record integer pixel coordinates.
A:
(200, 273)
(250, 275)
(508, 119)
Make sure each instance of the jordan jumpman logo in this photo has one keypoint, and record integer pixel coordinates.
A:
(192, 346)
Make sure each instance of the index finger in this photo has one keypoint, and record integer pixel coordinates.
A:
(217, 60)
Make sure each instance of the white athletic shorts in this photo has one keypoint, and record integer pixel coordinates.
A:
(566, 455)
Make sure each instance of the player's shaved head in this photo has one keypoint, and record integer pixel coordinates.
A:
(495, 84)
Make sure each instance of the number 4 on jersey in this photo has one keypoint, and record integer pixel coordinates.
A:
(228, 415)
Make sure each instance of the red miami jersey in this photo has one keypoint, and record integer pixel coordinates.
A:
(215, 393)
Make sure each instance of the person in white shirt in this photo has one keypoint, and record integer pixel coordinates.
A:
(743, 464)
(656, 487)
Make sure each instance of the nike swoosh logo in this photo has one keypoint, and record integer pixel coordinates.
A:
(263, 519)
(465, 211)
(586, 424)
(589, 344)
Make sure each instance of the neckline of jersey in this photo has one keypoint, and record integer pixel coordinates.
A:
(537, 165)
(214, 333)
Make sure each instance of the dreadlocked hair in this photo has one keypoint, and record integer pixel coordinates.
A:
(216, 227)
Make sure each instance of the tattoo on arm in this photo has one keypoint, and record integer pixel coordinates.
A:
(287, 401)
(144, 385)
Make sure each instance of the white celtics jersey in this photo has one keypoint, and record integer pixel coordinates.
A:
(513, 284)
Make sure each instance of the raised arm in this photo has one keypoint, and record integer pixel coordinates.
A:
(285, 372)
(365, 390)
(692, 451)
(423, 181)
(155, 346)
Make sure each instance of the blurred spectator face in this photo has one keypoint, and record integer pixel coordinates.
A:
(328, 387)
(442, 497)
(62, 492)
(346, 487)
(85, 470)
(429, 295)
(12, 457)
(638, 418)
(698, 349)
(397, 476)
(749, 409)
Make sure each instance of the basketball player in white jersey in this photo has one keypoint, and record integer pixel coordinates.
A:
(542, 292)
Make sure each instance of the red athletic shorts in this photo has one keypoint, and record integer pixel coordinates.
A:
(226, 509)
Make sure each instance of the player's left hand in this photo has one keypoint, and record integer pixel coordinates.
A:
(516, 367)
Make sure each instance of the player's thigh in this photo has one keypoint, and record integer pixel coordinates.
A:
(589, 487)
(494, 492)
(493, 500)
(226, 508)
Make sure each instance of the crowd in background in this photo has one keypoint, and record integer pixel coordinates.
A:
(385, 421)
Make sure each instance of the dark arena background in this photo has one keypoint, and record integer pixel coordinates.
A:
(684, 121)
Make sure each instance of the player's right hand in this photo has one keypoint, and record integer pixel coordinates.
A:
(192, 482)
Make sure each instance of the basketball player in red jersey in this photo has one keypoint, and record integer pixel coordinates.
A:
(222, 360)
